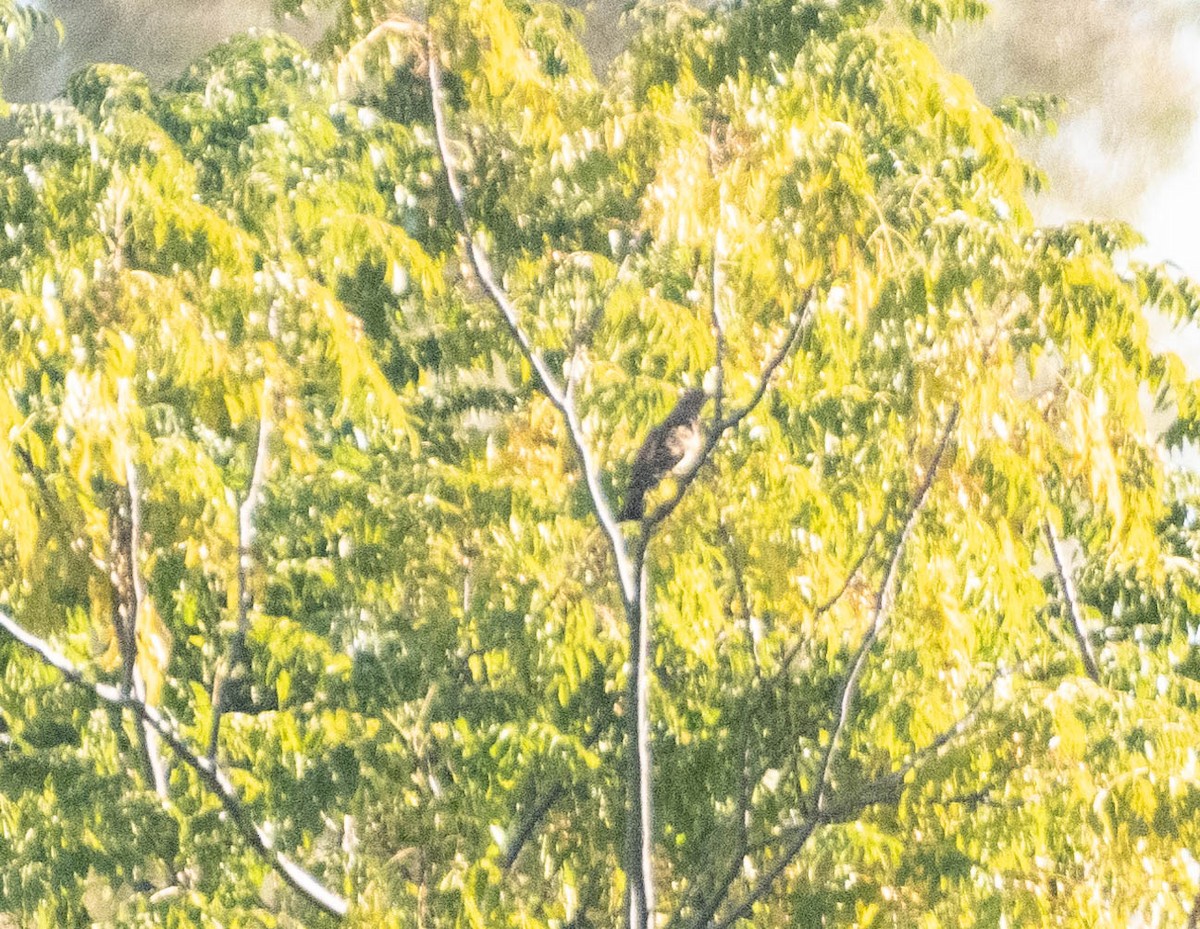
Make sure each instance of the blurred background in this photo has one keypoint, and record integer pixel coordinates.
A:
(1128, 145)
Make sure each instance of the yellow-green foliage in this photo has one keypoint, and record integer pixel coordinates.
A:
(435, 638)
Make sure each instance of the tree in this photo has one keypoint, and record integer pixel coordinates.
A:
(321, 382)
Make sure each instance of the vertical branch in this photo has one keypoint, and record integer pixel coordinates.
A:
(133, 621)
(1071, 599)
(631, 570)
(639, 800)
(236, 658)
(716, 280)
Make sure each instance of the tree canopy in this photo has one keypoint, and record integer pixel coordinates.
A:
(323, 374)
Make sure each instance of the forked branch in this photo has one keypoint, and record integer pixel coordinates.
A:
(717, 429)
(210, 773)
(884, 598)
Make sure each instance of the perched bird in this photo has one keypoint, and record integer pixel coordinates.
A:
(671, 446)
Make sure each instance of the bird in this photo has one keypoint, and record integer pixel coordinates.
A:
(671, 447)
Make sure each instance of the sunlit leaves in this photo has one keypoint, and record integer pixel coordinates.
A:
(429, 708)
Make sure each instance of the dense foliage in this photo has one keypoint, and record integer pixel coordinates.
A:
(922, 628)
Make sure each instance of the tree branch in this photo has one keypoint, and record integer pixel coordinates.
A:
(148, 746)
(639, 826)
(631, 571)
(884, 598)
(1071, 599)
(883, 602)
(526, 827)
(546, 381)
(885, 784)
(720, 426)
(211, 775)
(235, 658)
(715, 280)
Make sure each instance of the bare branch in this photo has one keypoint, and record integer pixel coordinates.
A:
(640, 813)
(247, 533)
(719, 427)
(148, 747)
(524, 831)
(211, 775)
(833, 599)
(883, 786)
(1071, 599)
(538, 811)
(715, 280)
(879, 613)
(883, 602)
(482, 266)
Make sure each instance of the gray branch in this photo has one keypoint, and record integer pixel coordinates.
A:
(630, 571)
(884, 599)
(1071, 599)
(148, 747)
(210, 773)
(247, 533)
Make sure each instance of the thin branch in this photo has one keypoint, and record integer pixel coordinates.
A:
(748, 774)
(715, 280)
(718, 428)
(1071, 599)
(211, 775)
(525, 829)
(247, 533)
(883, 602)
(884, 785)
(833, 599)
(482, 266)
(737, 859)
(148, 746)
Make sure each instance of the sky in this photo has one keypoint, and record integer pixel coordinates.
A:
(1169, 218)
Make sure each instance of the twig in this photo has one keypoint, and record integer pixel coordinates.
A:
(1074, 614)
(833, 599)
(883, 601)
(210, 773)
